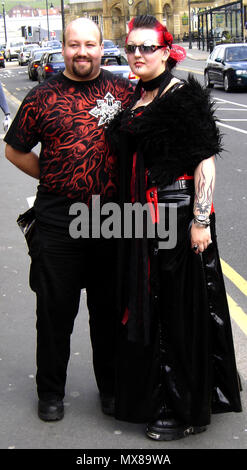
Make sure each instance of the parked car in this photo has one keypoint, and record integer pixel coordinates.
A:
(13, 48)
(54, 44)
(25, 52)
(37, 49)
(51, 62)
(227, 66)
(2, 60)
(110, 48)
(3, 49)
(34, 61)
(119, 66)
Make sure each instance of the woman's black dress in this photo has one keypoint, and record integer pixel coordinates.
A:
(175, 347)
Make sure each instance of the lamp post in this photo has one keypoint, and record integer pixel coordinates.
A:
(62, 14)
(47, 16)
(148, 7)
(190, 42)
(4, 22)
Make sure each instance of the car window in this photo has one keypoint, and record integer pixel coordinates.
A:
(236, 53)
(42, 60)
(56, 57)
(109, 61)
(37, 55)
(116, 60)
(53, 43)
(15, 44)
(214, 54)
(123, 61)
(108, 44)
(221, 53)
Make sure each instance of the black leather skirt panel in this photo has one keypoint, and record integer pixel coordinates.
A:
(190, 366)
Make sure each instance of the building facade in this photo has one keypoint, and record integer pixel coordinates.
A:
(180, 16)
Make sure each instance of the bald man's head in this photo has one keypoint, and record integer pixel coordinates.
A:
(81, 23)
(82, 50)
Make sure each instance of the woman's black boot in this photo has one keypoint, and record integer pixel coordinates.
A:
(168, 428)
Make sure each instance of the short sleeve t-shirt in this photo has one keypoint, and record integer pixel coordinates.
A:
(68, 118)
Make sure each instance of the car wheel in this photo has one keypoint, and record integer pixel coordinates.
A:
(207, 82)
(227, 86)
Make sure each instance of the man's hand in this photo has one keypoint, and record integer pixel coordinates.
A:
(7, 122)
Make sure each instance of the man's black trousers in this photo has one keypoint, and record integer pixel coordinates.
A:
(60, 267)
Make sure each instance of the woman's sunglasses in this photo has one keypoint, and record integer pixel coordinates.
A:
(131, 48)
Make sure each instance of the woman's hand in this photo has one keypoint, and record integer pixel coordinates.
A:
(204, 178)
(201, 237)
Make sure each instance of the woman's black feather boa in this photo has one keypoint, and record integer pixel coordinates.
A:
(173, 134)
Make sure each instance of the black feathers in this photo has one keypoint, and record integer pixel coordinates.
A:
(174, 133)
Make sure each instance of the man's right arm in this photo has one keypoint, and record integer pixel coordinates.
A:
(26, 162)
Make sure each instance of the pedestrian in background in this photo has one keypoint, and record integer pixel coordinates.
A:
(176, 361)
(67, 114)
(5, 108)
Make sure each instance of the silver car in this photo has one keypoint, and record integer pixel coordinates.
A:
(25, 52)
(119, 66)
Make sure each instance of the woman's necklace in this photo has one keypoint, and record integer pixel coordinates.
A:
(152, 89)
(146, 98)
(163, 78)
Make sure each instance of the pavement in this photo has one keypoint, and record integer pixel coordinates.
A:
(194, 53)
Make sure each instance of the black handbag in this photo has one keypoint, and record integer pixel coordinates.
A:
(26, 223)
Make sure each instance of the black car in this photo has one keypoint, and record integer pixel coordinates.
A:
(227, 66)
(34, 62)
(50, 63)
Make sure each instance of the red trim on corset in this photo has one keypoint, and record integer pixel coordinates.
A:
(185, 177)
(133, 177)
(126, 316)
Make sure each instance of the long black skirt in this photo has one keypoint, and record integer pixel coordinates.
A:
(189, 365)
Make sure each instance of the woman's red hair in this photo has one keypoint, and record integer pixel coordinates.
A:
(150, 22)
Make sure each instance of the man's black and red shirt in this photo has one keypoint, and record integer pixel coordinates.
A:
(68, 118)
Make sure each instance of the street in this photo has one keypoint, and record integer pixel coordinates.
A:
(84, 426)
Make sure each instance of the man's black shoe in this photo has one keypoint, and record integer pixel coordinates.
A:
(107, 404)
(50, 410)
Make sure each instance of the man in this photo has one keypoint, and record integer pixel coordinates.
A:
(4, 106)
(67, 114)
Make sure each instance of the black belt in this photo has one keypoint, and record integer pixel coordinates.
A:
(152, 195)
(179, 184)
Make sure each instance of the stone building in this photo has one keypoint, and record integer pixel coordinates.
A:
(113, 15)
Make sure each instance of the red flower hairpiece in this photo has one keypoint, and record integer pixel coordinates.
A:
(168, 38)
(177, 53)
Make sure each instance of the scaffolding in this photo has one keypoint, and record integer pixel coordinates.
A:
(221, 24)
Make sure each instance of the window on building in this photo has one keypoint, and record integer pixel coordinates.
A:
(95, 18)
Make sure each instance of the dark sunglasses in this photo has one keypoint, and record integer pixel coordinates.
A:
(131, 48)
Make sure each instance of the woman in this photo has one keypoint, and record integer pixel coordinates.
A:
(176, 357)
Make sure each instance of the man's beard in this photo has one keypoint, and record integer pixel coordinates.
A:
(81, 71)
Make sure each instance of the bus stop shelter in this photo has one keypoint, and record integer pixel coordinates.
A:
(221, 24)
